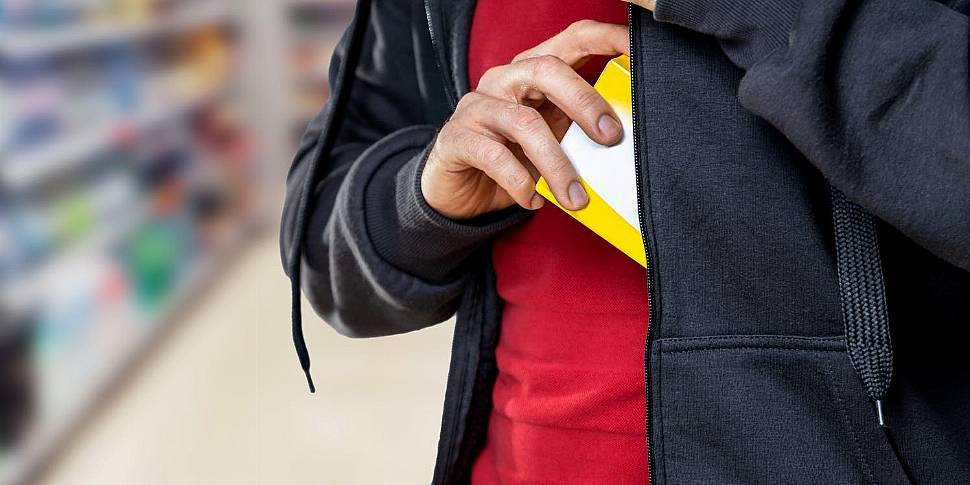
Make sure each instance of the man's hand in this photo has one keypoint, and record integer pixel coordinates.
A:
(506, 133)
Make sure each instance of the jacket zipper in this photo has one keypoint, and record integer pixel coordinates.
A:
(439, 56)
(633, 15)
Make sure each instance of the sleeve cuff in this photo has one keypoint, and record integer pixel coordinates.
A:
(410, 235)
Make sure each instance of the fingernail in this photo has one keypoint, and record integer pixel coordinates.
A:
(577, 195)
(537, 202)
(610, 128)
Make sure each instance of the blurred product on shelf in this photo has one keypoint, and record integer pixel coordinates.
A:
(127, 172)
(58, 13)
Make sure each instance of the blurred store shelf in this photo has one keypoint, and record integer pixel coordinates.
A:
(332, 5)
(143, 144)
(223, 400)
(67, 415)
(44, 41)
(31, 167)
(130, 171)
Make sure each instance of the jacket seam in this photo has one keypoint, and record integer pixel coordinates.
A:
(658, 410)
(832, 338)
(748, 347)
(856, 444)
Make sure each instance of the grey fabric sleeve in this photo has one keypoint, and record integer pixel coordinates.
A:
(385, 262)
(874, 93)
(413, 237)
(376, 260)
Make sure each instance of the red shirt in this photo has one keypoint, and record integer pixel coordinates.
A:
(569, 400)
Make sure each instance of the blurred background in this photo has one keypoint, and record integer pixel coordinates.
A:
(144, 315)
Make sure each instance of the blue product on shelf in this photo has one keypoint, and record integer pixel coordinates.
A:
(123, 78)
(68, 306)
(31, 235)
(34, 97)
(39, 13)
(9, 252)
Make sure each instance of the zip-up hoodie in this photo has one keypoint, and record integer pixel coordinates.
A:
(804, 184)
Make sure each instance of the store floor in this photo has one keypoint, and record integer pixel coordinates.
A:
(223, 400)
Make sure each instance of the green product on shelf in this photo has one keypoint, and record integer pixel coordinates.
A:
(155, 260)
(74, 217)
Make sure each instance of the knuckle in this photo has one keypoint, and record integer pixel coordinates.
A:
(491, 154)
(580, 25)
(522, 56)
(445, 135)
(559, 166)
(447, 147)
(449, 133)
(579, 33)
(517, 179)
(544, 65)
(466, 102)
(524, 118)
(490, 75)
(587, 98)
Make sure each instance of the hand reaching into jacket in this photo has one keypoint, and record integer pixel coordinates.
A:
(505, 134)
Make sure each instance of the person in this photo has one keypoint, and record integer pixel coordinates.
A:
(803, 177)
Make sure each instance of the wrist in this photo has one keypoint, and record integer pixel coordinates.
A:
(431, 188)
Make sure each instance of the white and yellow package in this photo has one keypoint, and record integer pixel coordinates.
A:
(607, 172)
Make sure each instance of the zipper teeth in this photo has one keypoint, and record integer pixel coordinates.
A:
(436, 48)
(651, 310)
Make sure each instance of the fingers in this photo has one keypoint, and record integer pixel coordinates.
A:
(583, 39)
(498, 132)
(495, 160)
(549, 77)
(508, 121)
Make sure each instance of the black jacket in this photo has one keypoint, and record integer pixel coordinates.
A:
(746, 114)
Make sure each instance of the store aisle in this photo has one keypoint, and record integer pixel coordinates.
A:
(223, 400)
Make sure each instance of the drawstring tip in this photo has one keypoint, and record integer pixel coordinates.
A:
(882, 418)
(309, 381)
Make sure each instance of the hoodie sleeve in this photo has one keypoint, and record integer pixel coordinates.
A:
(375, 259)
(875, 93)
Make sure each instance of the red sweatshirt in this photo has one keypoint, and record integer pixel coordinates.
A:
(569, 401)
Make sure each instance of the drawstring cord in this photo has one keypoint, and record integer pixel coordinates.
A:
(324, 143)
(863, 298)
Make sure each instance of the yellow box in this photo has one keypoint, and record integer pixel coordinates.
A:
(608, 173)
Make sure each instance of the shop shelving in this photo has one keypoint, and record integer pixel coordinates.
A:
(70, 373)
(24, 462)
(23, 170)
(32, 42)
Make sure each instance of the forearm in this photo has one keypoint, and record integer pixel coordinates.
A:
(378, 260)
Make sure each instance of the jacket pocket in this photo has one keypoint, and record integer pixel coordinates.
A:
(763, 409)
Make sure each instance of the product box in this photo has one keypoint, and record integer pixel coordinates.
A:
(608, 172)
